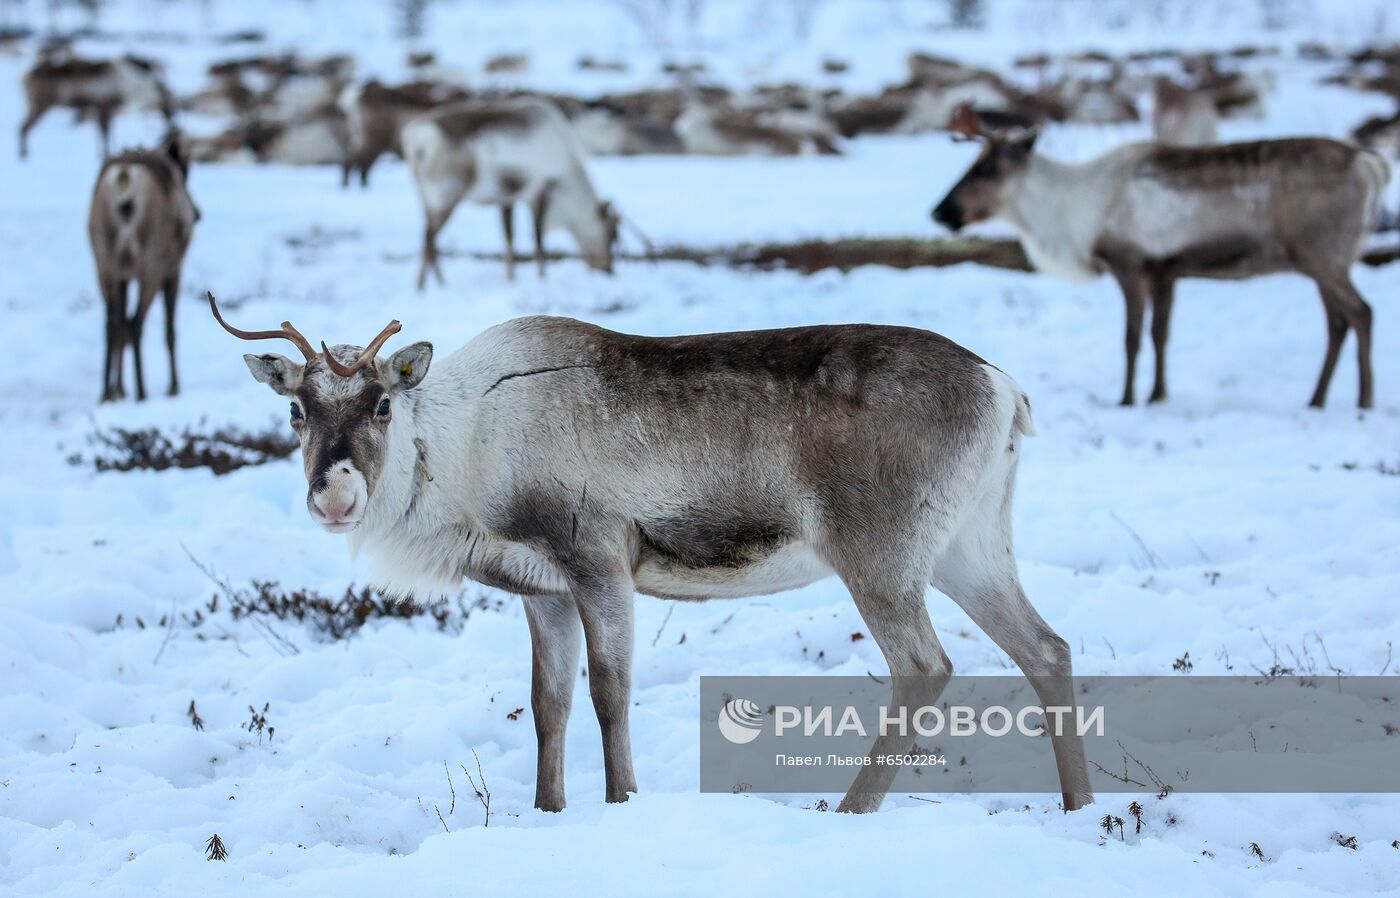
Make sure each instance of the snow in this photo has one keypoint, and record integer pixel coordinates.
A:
(1226, 521)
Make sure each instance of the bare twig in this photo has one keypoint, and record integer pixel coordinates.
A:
(453, 789)
(279, 643)
(169, 631)
(667, 620)
(1153, 559)
(483, 794)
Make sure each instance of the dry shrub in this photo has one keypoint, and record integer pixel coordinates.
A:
(221, 450)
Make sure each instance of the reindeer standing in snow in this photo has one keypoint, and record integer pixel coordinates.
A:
(1150, 214)
(140, 224)
(499, 153)
(574, 466)
(96, 88)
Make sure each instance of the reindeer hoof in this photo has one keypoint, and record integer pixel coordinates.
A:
(1073, 801)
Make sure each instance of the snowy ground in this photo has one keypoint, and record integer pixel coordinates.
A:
(1261, 523)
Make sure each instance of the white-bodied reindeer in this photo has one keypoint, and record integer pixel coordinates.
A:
(1150, 214)
(575, 466)
(499, 153)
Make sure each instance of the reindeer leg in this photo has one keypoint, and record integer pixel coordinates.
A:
(1129, 278)
(1336, 334)
(540, 208)
(605, 605)
(893, 608)
(435, 221)
(554, 641)
(104, 127)
(508, 225)
(146, 295)
(980, 575)
(30, 120)
(114, 290)
(172, 292)
(1163, 294)
(1358, 314)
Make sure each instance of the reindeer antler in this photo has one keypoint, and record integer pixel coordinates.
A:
(965, 124)
(286, 333)
(367, 357)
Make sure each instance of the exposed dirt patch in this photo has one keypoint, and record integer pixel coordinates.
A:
(811, 256)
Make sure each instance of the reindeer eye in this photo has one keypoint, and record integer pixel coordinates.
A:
(383, 409)
(296, 412)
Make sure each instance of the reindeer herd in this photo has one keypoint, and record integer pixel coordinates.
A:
(574, 465)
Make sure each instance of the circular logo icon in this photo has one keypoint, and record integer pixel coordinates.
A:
(740, 721)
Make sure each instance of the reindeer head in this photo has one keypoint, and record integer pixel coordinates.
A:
(598, 240)
(342, 401)
(981, 193)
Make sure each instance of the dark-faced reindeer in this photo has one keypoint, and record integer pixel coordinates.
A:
(94, 88)
(140, 224)
(1150, 214)
(499, 153)
(574, 466)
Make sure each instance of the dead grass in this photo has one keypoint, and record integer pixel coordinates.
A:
(221, 450)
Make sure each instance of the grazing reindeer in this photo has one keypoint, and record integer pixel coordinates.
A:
(374, 115)
(498, 153)
(1151, 214)
(1183, 117)
(140, 224)
(96, 88)
(572, 466)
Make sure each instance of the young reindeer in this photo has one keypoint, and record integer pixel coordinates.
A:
(498, 153)
(1151, 214)
(140, 223)
(574, 466)
(97, 88)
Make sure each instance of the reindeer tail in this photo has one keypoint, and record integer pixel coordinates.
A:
(1378, 171)
(1023, 421)
(1021, 411)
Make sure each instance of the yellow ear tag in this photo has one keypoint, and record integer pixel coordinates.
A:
(406, 370)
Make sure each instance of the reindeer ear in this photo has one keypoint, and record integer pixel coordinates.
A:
(277, 371)
(178, 149)
(407, 367)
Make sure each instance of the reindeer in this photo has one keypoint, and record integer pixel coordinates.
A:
(1183, 117)
(95, 88)
(498, 153)
(140, 224)
(375, 113)
(574, 466)
(709, 130)
(1150, 214)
